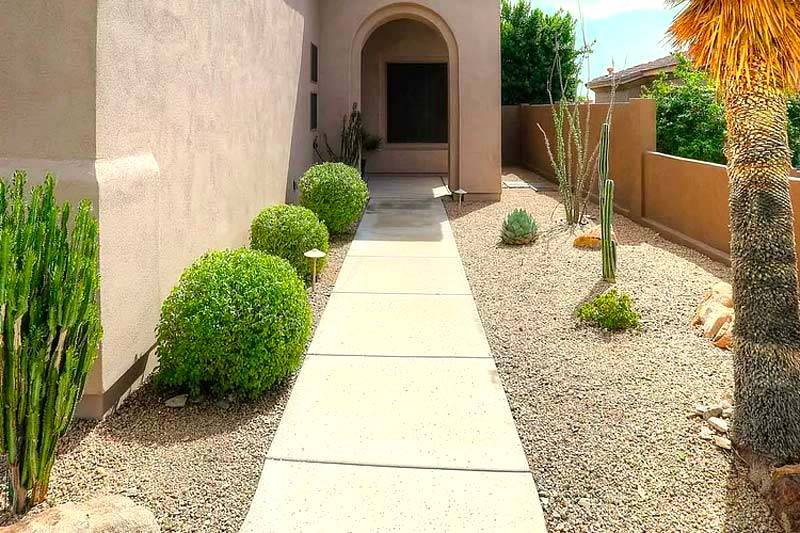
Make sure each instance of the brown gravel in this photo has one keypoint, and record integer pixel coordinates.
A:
(603, 418)
(196, 468)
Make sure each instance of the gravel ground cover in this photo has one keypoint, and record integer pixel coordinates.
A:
(604, 419)
(196, 468)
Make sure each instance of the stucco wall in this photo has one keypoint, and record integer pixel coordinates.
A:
(510, 139)
(471, 29)
(200, 107)
(687, 202)
(399, 41)
(47, 62)
(179, 119)
(633, 133)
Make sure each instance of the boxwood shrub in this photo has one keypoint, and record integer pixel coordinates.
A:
(237, 322)
(289, 231)
(336, 193)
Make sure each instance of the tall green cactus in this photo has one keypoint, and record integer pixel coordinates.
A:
(50, 327)
(606, 200)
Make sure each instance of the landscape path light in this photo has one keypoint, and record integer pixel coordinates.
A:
(314, 255)
(460, 193)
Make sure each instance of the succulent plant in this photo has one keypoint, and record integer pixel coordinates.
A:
(519, 228)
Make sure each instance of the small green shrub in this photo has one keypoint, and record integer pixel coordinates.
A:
(611, 310)
(237, 322)
(336, 193)
(519, 228)
(289, 231)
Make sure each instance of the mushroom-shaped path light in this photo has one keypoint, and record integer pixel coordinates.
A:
(314, 255)
(460, 193)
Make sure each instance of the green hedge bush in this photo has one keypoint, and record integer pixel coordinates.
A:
(237, 322)
(289, 231)
(336, 193)
(611, 310)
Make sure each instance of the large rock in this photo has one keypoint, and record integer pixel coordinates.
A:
(779, 486)
(715, 317)
(590, 239)
(108, 514)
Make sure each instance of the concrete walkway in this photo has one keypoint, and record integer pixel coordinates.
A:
(398, 420)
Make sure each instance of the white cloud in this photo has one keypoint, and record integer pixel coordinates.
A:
(599, 9)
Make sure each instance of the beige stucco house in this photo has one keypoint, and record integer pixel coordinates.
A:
(182, 119)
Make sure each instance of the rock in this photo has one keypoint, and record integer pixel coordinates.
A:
(590, 239)
(222, 404)
(545, 502)
(584, 502)
(708, 411)
(715, 316)
(728, 412)
(723, 442)
(130, 492)
(717, 424)
(724, 337)
(779, 486)
(108, 514)
(177, 402)
(706, 433)
(726, 403)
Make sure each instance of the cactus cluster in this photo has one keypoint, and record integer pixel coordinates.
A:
(606, 200)
(50, 328)
(352, 137)
(519, 228)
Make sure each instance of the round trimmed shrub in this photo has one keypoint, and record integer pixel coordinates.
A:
(336, 193)
(289, 231)
(237, 322)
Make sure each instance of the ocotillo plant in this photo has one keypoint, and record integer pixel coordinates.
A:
(606, 200)
(50, 328)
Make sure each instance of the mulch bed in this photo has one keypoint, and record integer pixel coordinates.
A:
(605, 418)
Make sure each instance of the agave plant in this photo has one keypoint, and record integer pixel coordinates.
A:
(519, 228)
(751, 50)
(50, 328)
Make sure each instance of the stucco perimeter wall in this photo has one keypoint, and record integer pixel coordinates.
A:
(511, 139)
(201, 121)
(687, 202)
(633, 133)
(471, 30)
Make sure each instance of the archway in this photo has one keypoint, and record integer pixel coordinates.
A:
(423, 153)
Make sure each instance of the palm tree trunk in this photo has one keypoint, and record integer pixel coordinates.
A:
(764, 264)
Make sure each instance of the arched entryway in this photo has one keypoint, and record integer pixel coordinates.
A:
(404, 76)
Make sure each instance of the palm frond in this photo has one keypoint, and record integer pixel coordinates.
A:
(731, 39)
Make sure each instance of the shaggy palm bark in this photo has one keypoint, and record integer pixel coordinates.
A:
(764, 263)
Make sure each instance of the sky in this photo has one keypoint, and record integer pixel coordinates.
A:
(627, 32)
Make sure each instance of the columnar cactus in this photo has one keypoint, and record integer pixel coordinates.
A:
(50, 328)
(606, 199)
(352, 136)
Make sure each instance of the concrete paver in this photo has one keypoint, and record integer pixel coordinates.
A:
(311, 497)
(400, 325)
(412, 275)
(429, 413)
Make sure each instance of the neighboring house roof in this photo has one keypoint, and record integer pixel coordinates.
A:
(644, 70)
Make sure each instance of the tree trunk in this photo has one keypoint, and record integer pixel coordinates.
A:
(764, 264)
